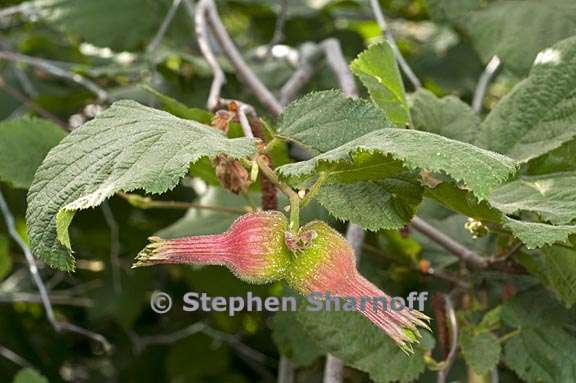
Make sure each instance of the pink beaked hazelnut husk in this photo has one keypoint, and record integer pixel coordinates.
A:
(327, 264)
(253, 248)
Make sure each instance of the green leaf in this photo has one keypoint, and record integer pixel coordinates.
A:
(481, 351)
(451, 10)
(361, 345)
(478, 169)
(322, 121)
(5, 260)
(374, 205)
(464, 202)
(447, 116)
(132, 23)
(29, 375)
(559, 269)
(24, 143)
(551, 196)
(127, 147)
(500, 29)
(540, 352)
(178, 109)
(558, 160)
(535, 235)
(539, 114)
(292, 340)
(377, 69)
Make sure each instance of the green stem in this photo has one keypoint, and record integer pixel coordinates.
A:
(314, 189)
(141, 202)
(504, 338)
(292, 195)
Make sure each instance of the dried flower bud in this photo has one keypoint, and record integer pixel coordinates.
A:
(327, 264)
(232, 175)
(252, 248)
(222, 119)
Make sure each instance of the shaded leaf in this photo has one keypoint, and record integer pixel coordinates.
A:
(551, 196)
(178, 109)
(292, 340)
(539, 114)
(559, 269)
(24, 143)
(481, 351)
(541, 351)
(322, 121)
(500, 29)
(29, 375)
(361, 345)
(374, 205)
(535, 235)
(447, 116)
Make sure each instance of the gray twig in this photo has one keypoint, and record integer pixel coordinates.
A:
(278, 35)
(163, 27)
(13, 357)
(483, 83)
(448, 243)
(453, 322)
(389, 36)
(245, 74)
(33, 267)
(114, 246)
(333, 370)
(303, 73)
(204, 44)
(57, 71)
(339, 66)
(25, 8)
(285, 371)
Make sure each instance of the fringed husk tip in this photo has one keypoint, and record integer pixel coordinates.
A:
(148, 255)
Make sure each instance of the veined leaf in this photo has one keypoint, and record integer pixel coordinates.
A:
(535, 235)
(559, 268)
(322, 121)
(361, 345)
(377, 69)
(127, 147)
(451, 10)
(178, 109)
(500, 29)
(539, 115)
(447, 116)
(538, 354)
(562, 159)
(292, 341)
(481, 350)
(24, 143)
(384, 204)
(93, 21)
(478, 169)
(464, 202)
(551, 196)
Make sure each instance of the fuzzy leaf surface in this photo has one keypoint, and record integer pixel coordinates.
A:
(478, 169)
(127, 147)
(551, 196)
(448, 116)
(539, 114)
(325, 120)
